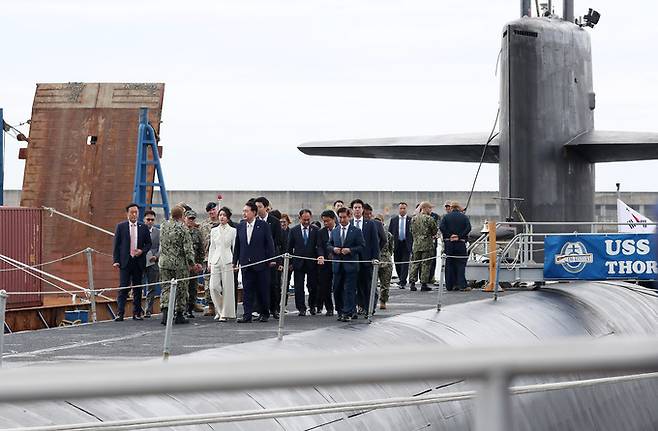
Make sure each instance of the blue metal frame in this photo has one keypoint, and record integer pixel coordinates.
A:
(2, 159)
(146, 140)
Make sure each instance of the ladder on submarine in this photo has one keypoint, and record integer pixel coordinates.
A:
(147, 145)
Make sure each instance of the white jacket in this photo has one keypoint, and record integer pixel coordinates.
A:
(222, 242)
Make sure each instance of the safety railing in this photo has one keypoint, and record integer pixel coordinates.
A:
(491, 368)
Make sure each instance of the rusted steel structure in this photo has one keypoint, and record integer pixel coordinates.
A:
(80, 160)
(20, 239)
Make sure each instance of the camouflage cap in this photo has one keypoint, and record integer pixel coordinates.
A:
(190, 214)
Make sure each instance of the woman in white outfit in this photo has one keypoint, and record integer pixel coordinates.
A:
(220, 261)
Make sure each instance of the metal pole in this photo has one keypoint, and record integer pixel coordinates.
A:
(567, 10)
(90, 283)
(373, 290)
(493, 404)
(3, 306)
(440, 265)
(284, 293)
(2, 162)
(496, 287)
(170, 319)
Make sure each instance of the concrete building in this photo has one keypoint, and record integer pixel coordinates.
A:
(484, 205)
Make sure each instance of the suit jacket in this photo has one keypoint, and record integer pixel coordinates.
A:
(277, 233)
(222, 243)
(381, 233)
(121, 253)
(261, 246)
(370, 250)
(455, 223)
(394, 228)
(323, 240)
(296, 246)
(353, 240)
(155, 246)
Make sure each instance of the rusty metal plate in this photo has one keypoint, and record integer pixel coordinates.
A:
(88, 178)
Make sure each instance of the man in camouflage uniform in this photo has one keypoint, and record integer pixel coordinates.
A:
(212, 221)
(423, 230)
(386, 266)
(197, 246)
(176, 261)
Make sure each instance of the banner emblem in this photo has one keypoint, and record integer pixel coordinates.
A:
(574, 257)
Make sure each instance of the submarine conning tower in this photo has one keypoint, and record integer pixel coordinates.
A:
(546, 100)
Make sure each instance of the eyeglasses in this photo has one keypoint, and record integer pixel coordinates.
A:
(149, 219)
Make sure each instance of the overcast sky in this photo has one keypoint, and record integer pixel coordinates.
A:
(248, 81)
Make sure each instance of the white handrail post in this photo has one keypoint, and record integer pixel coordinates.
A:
(493, 403)
(90, 283)
(373, 290)
(439, 267)
(170, 319)
(284, 293)
(3, 306)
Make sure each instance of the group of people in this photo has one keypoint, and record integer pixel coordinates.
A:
(332, 258)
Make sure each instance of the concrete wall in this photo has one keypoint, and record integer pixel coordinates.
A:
(483, 205)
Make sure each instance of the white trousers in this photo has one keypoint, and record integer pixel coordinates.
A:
(222, 290)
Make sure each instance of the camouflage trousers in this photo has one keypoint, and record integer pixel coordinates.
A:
(385, 273)
(181, 289)
(206, 288)
(191, 291)
(422, 267)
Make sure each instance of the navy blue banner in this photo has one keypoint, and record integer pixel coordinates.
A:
(600, 257)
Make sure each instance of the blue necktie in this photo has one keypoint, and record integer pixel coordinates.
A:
(402, 228)
(305, 234)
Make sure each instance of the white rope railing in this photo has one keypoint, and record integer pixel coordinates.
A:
(41, 265)
(77, 220)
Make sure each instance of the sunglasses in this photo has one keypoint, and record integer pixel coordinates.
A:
(149, 219)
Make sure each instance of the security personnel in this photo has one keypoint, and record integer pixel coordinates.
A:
(176, 261)
(455, 227)
(423, 229)
(197, 246)
(385, 271)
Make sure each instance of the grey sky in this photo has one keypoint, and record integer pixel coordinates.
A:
(247, 81)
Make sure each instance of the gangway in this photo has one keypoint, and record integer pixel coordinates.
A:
(147, 141)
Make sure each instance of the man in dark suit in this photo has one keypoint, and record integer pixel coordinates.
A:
(254, 244)
(381, 233)
(346, 244)
(455, 227)
(399, 226)
(131, 243)
(369, 252)
(325, 272)
(303, 241)
(263, 206)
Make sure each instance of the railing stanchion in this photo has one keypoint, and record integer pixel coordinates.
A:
(170, 319)
(496, 285)
(90, 283)
(3, 307)
(373, 290)
(493, 403)
(284, 293)
(440, 267)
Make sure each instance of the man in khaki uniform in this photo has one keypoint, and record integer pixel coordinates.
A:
(423, 230)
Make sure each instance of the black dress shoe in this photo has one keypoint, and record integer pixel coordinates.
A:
(147, 315)
(118, 319)
(263, 319)
(353, 316)
(137, 317)
(313, 312)
(412, 287)
(244, 320)
(275, 316)
(425, 288)
(302, 313)
(329, 313)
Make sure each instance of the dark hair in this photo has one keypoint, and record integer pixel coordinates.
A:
(305, 210)
(276, 213)
(328, 213)
(130, 205)
(149, 212)
(263, 200)
(252, 206)
(316, 224)
(367, 207)
(403, 203)
(338, 200)
(356, 201)
(252, 200)
(343, 210)
(227, 211)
